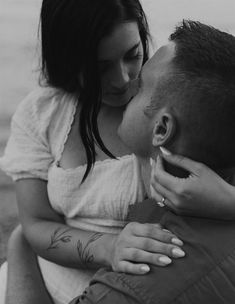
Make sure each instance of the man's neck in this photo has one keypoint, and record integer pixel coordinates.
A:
(145, 169)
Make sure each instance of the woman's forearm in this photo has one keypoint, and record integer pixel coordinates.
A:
(48, 235)
(25, 284)
(69, 246)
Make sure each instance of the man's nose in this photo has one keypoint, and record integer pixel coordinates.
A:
(121, 77)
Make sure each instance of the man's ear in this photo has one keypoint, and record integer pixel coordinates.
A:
(164, 129)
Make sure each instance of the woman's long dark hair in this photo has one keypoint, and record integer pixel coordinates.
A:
(70, 34)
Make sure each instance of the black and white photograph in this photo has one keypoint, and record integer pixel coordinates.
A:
(117, 151)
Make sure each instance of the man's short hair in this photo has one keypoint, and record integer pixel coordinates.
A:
(201, 92)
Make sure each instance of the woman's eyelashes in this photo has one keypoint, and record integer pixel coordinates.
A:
(136, 56)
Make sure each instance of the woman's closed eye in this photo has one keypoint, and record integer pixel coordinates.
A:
(134, 53)
(136, 56)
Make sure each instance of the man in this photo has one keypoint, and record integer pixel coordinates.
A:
(186, 102)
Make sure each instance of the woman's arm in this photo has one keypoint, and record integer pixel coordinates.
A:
(203, 193)
(48, 235)
(24, 281)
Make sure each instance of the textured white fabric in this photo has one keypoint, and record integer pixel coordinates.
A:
(3, 282)
(101, 203)
(37, 129)
(40, 128)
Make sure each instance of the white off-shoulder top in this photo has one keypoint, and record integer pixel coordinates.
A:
(39, 130)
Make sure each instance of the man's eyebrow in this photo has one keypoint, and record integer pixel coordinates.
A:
(134, 47)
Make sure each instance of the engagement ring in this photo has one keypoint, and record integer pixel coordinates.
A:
(161, 203)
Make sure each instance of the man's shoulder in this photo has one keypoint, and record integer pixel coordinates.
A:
(210, 257)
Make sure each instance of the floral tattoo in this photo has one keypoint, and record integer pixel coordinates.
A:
(62, 236)
(85, 257)
(59, 237)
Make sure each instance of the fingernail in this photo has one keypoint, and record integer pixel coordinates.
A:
(166, 230)
(178, 253)
(177, 242)
(145, 268)
(165, 260)
(165, 151)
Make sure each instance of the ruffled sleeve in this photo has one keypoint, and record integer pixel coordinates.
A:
(27, 153)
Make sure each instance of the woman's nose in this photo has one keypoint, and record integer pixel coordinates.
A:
(120, 77)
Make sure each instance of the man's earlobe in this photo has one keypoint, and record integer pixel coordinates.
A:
(164, 130)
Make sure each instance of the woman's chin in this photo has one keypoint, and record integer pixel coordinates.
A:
(115, 101)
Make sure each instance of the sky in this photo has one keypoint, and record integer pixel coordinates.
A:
(163, 15)
(19, 48)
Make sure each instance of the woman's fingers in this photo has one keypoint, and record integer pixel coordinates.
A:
(141, 256)
(160, 192)
(128, 267)
(144, 244)
(182, 162)
(153, 232)
(160, 178)
(159, 175)
(154, 194)
(153, 247)
(168, 181)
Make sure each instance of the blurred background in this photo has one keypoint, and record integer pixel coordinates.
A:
(19, 58)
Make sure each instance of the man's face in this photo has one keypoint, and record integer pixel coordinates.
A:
(136, 128)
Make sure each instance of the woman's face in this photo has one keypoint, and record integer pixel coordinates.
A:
(120, 58)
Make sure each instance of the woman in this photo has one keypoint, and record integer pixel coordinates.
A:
(74, 177)
(210, 189)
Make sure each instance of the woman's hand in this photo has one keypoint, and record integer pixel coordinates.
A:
(141, 244)
(202, 193)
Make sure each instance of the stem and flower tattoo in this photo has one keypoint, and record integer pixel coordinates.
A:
(86, 258)
(59, 237)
